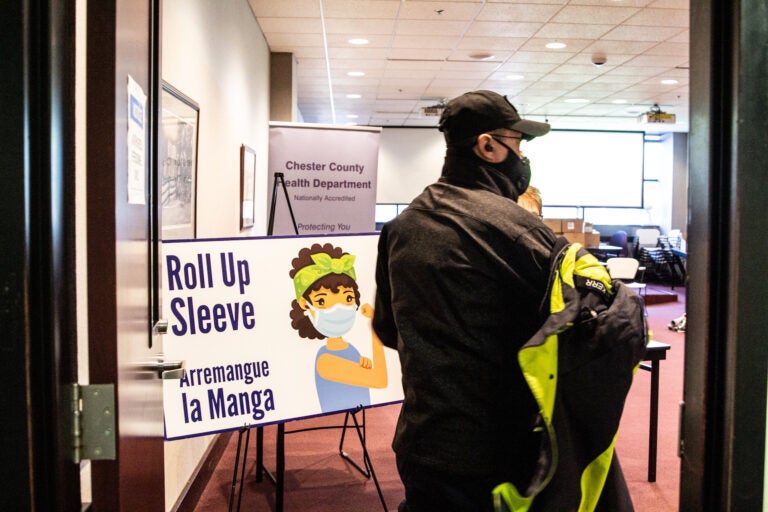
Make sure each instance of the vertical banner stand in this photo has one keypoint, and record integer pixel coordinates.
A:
(279, 477)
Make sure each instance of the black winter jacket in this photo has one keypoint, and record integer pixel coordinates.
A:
(460, 277)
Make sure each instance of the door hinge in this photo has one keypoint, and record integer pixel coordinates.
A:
(93, 422)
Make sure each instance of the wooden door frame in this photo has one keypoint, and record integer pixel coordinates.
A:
(726, 359)
(37, 262)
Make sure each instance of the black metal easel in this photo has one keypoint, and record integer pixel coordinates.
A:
(278, 478)
(279, 177)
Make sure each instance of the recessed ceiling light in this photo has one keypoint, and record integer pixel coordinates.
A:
(577, 100)
(515, 77)
(352, 116)
(669, 81)
(618, 102)
(358, 40)
(356, 73)
(353, 96)
(481, 56)
(556, 45)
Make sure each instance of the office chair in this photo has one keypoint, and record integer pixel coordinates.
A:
(627, 270)
(619, 239)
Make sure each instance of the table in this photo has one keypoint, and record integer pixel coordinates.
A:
(655, 352)
(605, 251)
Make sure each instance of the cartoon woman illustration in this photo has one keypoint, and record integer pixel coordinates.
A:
(326, 305)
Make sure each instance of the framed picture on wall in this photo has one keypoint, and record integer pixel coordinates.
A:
(247, 186)
(177, 164)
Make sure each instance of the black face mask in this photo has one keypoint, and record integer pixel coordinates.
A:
(515, 168)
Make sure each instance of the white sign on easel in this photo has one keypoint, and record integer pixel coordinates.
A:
(255, 352)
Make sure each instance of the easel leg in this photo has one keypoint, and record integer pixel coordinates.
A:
(368, 472)
(280, 470)
(237, 463)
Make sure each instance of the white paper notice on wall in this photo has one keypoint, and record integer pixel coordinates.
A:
(137, 143)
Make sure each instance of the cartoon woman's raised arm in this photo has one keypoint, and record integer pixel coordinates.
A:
(365, 373)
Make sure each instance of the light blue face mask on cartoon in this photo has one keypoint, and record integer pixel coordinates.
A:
(334, 321)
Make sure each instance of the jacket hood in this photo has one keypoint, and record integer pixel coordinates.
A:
(465, 169)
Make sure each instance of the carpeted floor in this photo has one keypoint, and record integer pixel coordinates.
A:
(317, 479)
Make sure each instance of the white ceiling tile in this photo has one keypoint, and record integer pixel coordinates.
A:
(671, 4)
(418, 57)
(621, 47)
(491, 43)
(418, 41)
(419, 54)
(593, 14)
(573, 45)
(502, 29)
(452, 11)
(517, 12)
(660, 18)
(371, 9)
(658, 60)
(288, 40)
(359, 27)
(636, 33)
(668, 48)
(612, 3)
(573, 31)
(292, 9)
(542, 57)
(428, 27)
(291, 25)
(358, 53)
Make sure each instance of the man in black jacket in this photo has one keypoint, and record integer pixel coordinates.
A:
(461, 275)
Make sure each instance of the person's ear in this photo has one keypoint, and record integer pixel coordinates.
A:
(484, 147)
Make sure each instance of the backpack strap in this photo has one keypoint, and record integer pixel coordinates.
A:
(555, 257)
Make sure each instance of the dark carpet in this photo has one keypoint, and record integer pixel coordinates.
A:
(317, 479)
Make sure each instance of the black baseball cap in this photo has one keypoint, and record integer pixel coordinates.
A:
(477, 112)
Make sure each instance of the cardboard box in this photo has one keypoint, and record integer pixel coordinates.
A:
(572, 225)
(575, 237)
(591, 239)
(554, 224)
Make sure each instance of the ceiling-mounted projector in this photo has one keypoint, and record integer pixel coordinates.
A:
(655, 115)
(432, 110)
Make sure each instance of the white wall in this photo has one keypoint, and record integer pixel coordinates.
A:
(412, 158)
(409, 160)
(215, 53)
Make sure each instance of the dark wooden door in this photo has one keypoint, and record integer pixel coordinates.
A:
(120, 53)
